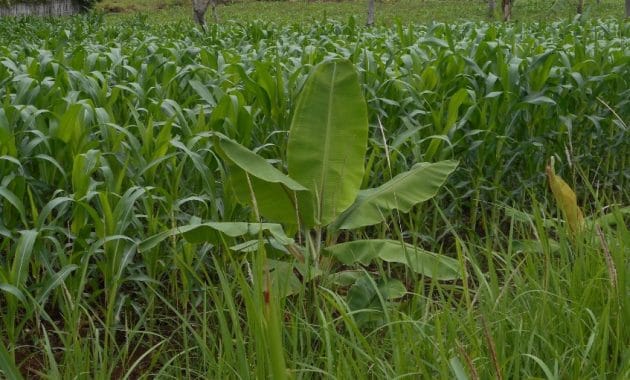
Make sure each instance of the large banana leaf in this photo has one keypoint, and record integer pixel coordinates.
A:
(211, 232)
(402, 192)
(273, 191)
(420, 261)
(328, 139)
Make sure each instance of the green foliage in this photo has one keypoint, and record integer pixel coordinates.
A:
(402, 192)
(388, 13)
(252, 178)
(130, 247)
(328, 139)
(420, 261)
(327, 145)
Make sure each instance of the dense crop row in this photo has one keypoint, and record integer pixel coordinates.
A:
(106, 140)
(500, 98)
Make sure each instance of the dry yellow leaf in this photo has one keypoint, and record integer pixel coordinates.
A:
(566, 199)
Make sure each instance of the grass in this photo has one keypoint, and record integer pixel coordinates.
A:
(387, 12)
(105, 147)
(534, 314)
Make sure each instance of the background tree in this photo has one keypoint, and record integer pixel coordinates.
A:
(507, 9)
(627, 8)
(370, 17)
(199, 11)
(491, 6)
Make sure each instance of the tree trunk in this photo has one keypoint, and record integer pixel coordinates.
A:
(507, 9)
(580, 7)
(628, 8)
(199, 11)
(491, 6)
(370, 17)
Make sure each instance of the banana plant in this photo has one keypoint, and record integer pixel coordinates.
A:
(321, 192)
